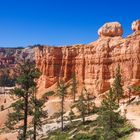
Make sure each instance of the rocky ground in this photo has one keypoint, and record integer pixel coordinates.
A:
(132, 115)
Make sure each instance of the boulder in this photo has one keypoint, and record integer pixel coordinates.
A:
(136, 25)
(111, 29)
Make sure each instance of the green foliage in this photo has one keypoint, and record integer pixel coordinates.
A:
(74, 86)
(6, 80)
(62, 92)
(2, 81)
(81, 105)
(16, 115)
(136, 88)
(18, 106)
(109, 121)
(13, 119)
(71, 115)
(28, 74)
(85, 104)
(117, 86)
(37, 111)
(58, 135)
(86, 131)
(30, 134)
(90, 105)
(23, 106)
(18, 92)
(84, 137)
(62, 89)
(47, 94)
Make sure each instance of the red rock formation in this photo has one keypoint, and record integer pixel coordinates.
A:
(111, 29)
(94, 64)
(136, 25)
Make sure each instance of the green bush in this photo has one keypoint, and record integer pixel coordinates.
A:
(59, 136)
(84, 137)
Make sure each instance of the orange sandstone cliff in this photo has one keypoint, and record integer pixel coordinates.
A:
(94, 64)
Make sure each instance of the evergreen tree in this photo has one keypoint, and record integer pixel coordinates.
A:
(6, 80)
(74, 87)
(109, 121)
(71, 115)
(2, 81)
(36, 111)
(17, 114)
(27, 75)
(62, 92)
(3, 78)
(81, 105)
(117, 86)
(89, 101)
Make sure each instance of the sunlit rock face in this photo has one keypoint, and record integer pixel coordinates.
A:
(94, 64)
(136, 25)
(111, 29)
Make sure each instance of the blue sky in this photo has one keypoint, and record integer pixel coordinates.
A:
(61, 22)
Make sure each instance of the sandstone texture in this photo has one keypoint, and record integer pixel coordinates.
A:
(136, 25)
(111, 29)
(9, 57)
(94, 64)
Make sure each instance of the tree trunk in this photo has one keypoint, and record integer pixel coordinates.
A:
(74, 96)
(118, 100)
(110, 118)
(25, 116)
(35, 130)
(83, 117)
(88, 108)
(62, 112)
(35, 116)
(129, 95)
(88, 105)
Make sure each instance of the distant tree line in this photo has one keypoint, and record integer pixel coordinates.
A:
(7, 81)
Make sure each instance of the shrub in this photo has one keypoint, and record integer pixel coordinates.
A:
(84, 137)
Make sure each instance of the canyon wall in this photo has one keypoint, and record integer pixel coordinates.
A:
(9, 57)
(94, 64)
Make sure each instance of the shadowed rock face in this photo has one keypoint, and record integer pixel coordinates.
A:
(94, 64)
(9, 57)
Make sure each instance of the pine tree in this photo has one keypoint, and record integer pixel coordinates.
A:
(27, 75)
(71, 115)
(81, 105)
(117, 86)
(89, 101)
(62, 92)
(74, 87)
(109, 121)
(36, 111)
(17, 114)
(2, 80)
